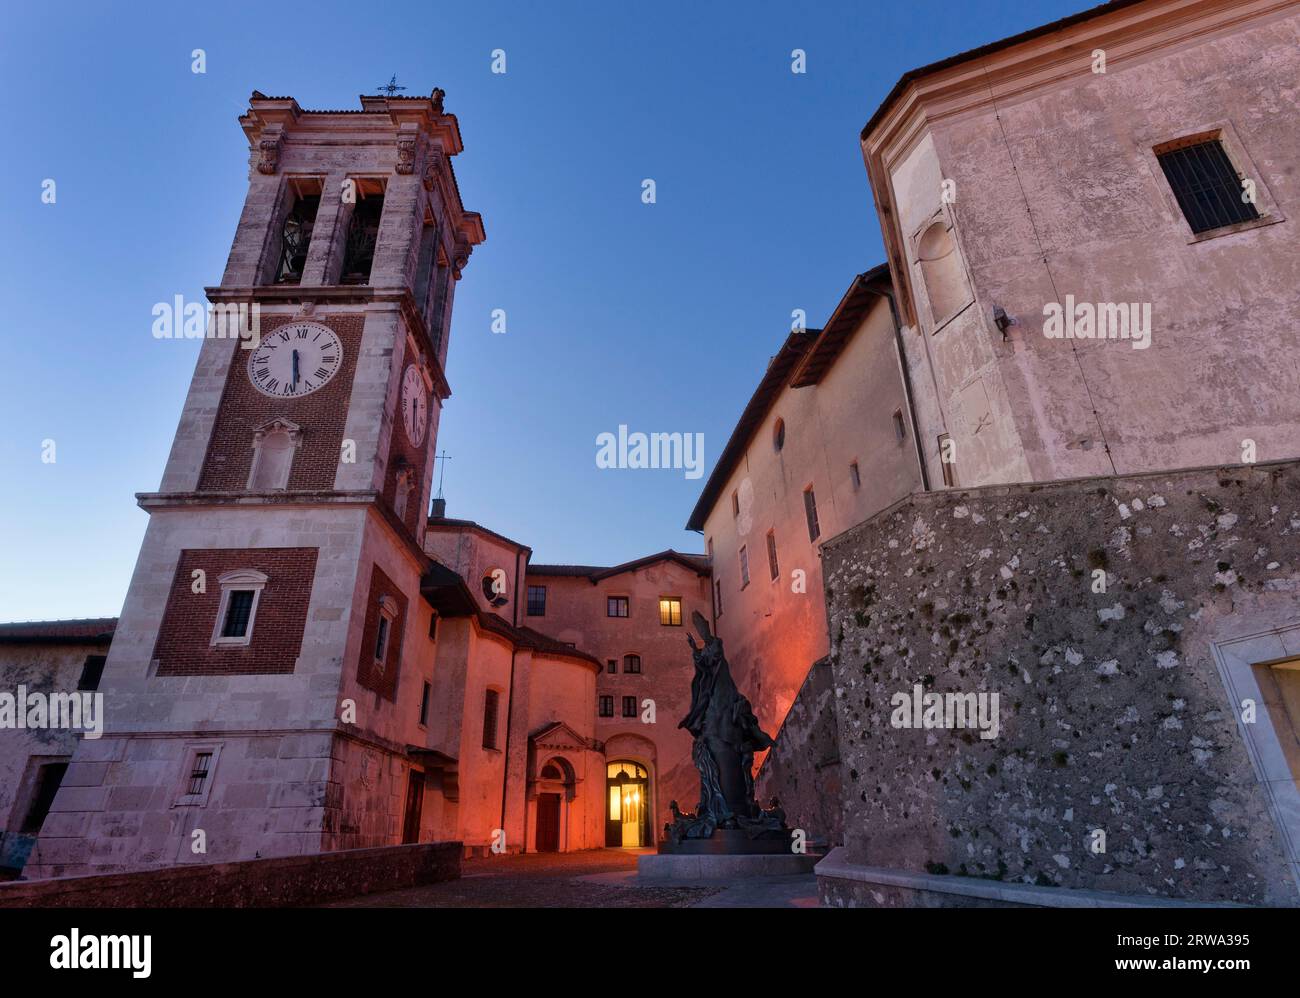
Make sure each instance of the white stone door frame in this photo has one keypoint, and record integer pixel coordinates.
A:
(1236, 659)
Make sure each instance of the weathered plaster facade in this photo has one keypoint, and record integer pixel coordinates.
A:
(1016, 175)
(1120, 711)
(833, 400)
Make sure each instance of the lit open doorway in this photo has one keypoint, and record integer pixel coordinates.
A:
(628, 805)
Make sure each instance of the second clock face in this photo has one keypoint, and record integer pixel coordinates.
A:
(415, 405)
(295, 360)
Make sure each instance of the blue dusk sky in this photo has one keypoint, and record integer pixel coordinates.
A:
(661, 317)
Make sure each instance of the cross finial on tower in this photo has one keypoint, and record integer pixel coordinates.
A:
(391, 87)
(442, 460)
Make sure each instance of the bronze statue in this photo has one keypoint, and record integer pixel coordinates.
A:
(727, 734)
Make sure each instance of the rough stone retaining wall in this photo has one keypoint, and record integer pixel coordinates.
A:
(802, 769)
(283, 881)
(1114, 717)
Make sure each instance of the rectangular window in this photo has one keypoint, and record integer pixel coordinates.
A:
(947, 460)
(735, 504)
(632, 664)
(616, 606)
(199, 770)
(810, 510)
(491, 704)
(717, 596)
(537, 601)
(855, 476)
(771, 555)
(629, 706)
(238, 609)
(381, 638)
(48, 779)
(611, 666)
(670, 611)
(606, 706)
(900, 427)
(92, 672)
(424, 704)
(433, 627)
(1207, 186)
(744, 567)
(708, 548)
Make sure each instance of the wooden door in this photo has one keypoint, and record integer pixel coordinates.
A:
(414, 804)
(548, 822)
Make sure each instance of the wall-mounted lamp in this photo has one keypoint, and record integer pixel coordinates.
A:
(1002, 320)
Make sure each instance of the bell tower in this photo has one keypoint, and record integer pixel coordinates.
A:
(266, 676)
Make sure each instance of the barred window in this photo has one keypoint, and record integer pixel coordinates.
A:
(1207, 186)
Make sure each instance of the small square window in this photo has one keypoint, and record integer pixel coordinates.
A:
(670, 612)
(92, 672)
(616, 606)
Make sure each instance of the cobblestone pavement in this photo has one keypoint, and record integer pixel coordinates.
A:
(538, 880)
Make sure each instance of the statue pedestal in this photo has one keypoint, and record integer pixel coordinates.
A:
(723, 866)
(728, 842)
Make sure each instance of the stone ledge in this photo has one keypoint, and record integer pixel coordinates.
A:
(280, 881)
(993, 892)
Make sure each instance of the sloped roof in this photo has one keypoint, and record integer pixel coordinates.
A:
(696, 563)
(81, 630)
(991, 47)
(801, 361)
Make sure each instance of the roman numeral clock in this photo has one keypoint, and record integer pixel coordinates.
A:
(295, 360)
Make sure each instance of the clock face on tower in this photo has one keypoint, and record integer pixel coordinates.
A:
(415, 405)
(295, 360)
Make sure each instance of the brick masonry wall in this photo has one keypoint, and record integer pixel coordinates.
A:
(259, 883)
(184, 640)
(1113, 713)
(383, 682)
(321, 415)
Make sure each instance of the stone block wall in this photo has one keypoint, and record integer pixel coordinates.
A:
(1115, 712)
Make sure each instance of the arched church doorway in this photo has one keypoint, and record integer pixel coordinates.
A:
(555, 786)
(628, 806)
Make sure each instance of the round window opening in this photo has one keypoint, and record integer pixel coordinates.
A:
(778, 434)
